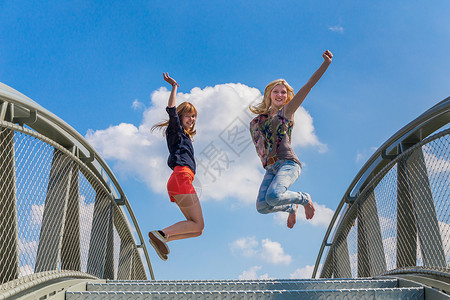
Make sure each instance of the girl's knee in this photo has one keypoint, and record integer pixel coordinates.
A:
(199, 233)
(273, 196)
(262, 208)
(261, 211)
(199, 228)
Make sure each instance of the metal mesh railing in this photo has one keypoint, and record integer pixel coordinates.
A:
(56, 214)
(394, 216)
(400, 219)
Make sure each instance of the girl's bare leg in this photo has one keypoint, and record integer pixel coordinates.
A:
(194, 224)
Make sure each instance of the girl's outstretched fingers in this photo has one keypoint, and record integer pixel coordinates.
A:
(170, 80)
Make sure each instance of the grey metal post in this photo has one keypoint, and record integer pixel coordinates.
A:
(337, 261)
(369, 234)
(127, 246)
(135, 265)
(406, 223)
(329, 264)
(138, 266)
(51, 236)
(71, 252)
(9, 252)
(428, 227)
(99, 235)
(108, 272)
(343, 268)
(125, 260)
(340, 262)
(363, 254)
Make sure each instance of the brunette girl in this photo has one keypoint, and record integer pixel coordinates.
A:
(179, 131)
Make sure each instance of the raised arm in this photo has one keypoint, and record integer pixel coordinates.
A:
(173, 93)
(298, 99)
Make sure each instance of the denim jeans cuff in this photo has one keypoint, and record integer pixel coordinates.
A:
(304, 198)
(293, 209)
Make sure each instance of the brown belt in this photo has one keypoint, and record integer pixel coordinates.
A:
(271, 160)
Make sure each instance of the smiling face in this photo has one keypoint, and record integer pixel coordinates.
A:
(278, 96)
(188, 121)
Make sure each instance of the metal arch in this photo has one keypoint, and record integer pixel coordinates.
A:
(414, 132)
(27, 111)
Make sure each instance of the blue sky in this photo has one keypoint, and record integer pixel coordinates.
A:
(98, 66)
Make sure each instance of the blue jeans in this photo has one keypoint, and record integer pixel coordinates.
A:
(273, 194)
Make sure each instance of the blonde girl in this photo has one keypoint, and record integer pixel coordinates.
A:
(271, 133)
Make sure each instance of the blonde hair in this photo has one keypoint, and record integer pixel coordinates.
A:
(182, 109)
(263, 107)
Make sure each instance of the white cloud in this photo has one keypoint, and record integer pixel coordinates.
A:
(36, 214)
(137, 105)
(390, 249)
(252, 273)
(26, 270)
(246, 246)
(336, 28)
(303, 135)
(354, 264)
(27, 246)
(322, 216)
(435, 164)
(359, 157)
(224, 151)
(445, 234)
(364, 155)
(86, 217)
(27, 255)
(267, 251)
(302, 273)
(274, 253)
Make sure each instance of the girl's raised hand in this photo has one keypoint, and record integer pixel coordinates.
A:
(169, 79)
(327, 56)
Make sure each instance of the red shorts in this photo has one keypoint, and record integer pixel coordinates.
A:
(180, 182)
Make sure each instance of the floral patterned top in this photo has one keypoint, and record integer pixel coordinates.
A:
(270, 135)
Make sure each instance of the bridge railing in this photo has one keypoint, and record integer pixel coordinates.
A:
(395, 216)
(62, 210)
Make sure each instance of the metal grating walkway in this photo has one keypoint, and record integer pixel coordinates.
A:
(250, 289)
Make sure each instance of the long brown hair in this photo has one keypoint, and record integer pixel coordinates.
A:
(263, 107)
(182, 109)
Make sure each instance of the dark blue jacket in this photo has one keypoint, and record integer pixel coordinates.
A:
(179, 143)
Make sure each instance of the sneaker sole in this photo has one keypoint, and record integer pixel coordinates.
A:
(160, 238)
(161, 255)
(157, 235)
